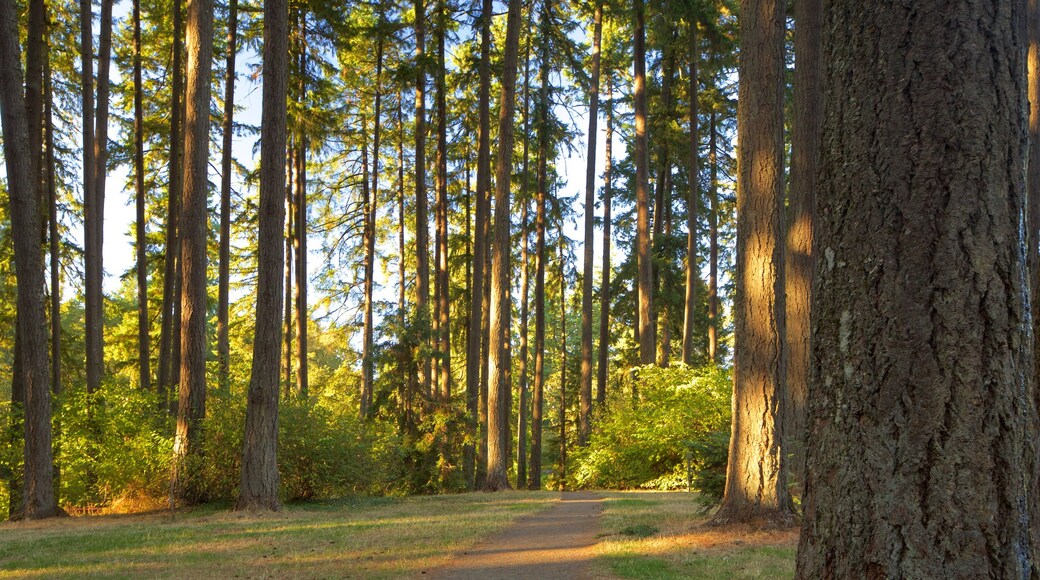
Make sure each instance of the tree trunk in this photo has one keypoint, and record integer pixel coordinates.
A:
(224, 274)
(400, 208)
(562, 472)
(89, 200)
(300, 239)
(144, 368)
(521, 422)
(38, 492)
(259, 488)
(713, 242)
(422, 221)
(756, 477)
(499, 389)
(585, 411)
(287, 270)
(662, 206)
(476, 312)
(1033, 177)
(645, 272)
(192, 388)
(604, 289)
(171, 273)
(798, 268)
(692, 270)
(55, 260)
(920, 348)
(538, 395)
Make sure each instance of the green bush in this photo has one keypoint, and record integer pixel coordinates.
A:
(680, 414)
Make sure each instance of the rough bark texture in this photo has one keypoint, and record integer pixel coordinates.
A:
(644, 274)
(192, 386)
(920, 337)
(694, 170)
(1033, 177)
(224, 271)
(756, 480)
(499, 388)
(38, 499)
(89, 202)
(805, 145)
(585, 395)
(604, 288)
(259, 488)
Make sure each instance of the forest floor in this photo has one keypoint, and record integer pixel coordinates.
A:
(624, 534)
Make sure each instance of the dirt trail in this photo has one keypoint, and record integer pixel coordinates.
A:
(556, 543)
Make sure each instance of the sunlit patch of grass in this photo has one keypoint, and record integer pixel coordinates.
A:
(683, 547)
(377, 538)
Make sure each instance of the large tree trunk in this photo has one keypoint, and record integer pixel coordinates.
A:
(259, 488)
(604, 288)
(476, 312)
(171, 273)
(644, 275)
(920, 347)
(805, 145)
(585, 394)
(34, 373)
(441, 254)
(499, 389)
(86, 48)
(713, 241)
(756, 477)
(538, 394)
(224, 274)
(1033, 176)
(192, 388)
(422, 220)
(143, 355)
(693, 198)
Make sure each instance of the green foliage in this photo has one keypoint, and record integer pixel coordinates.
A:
(680, 414)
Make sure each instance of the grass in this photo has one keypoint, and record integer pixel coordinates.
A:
(366, 538)
(662, 536)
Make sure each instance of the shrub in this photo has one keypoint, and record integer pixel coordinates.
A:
(680, 415)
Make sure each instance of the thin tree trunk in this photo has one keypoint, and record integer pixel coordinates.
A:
(694, 195)
(171, 273)
(422, 220)
(469, 450)
(662, 207)
(400, 208)
(38, 492)
(290, 212)
(89, 200)
(443, 307)
(55, 261)
(499, 390)
(604, 290)
(713, 242)
(756, 476)
(585, 394)
(920, 370)
(537, 397)
(300, 239)
(192, 388)
(521, 427)
(474, 364)
(563, 365)
(798, 267)
(259, 487)
(224, 274)
(144, 368)
(644, 266)
(367, 361)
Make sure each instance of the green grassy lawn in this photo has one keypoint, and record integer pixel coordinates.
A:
(662, 536)
(365, 538)
(642, 535)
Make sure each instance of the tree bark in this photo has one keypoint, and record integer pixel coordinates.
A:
(224, 273)
(499, 389)
(644, 267)
(585, 394)
(798, 269)
(692, 201)
(300, 217)
(756, 477)
(920, 342)
(562, 473)
(604, 289)
(713, 241)
(422, 220)
(662, 208)
(143, 349)
(538, 394)
(259, 488)
(521, 422)
(192, 388)
(55, 259)
(38, 499)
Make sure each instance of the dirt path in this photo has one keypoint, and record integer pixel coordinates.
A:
(556, 543)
